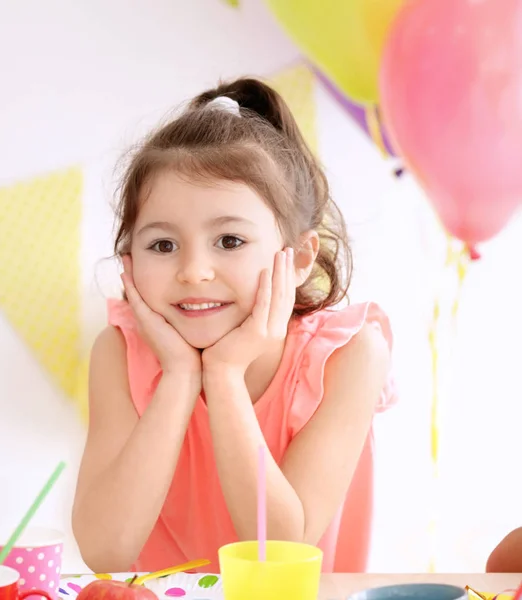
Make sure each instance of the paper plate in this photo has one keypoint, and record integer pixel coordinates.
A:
(71, 586)
(188, 586)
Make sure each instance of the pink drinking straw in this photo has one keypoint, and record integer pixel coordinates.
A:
(261, 504)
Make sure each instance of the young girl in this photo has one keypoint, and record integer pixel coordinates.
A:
(233, 257)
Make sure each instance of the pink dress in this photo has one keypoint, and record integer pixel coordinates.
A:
(194, 521)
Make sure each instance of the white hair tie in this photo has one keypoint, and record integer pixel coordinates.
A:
(225, 103)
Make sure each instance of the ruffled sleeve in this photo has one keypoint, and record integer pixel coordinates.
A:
(327, 331)
(143, 367)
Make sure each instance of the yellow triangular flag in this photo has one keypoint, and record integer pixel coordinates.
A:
(40, 271)
(297, 86)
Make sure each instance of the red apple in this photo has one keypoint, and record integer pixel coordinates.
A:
(107, 589)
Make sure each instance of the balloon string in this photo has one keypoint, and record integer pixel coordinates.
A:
(434, 430)
(373, 123)
(461, 260)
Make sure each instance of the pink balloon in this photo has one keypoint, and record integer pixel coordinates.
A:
(451, 95)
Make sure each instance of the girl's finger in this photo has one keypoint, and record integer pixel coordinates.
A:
(290, 280)
(127, 264)
(279, 292)
(261, 308)
(128, 280)
(138, 305)
(126, 276)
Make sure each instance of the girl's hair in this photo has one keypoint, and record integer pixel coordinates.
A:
(262, 148)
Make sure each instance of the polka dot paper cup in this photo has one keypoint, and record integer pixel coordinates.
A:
(37, 556)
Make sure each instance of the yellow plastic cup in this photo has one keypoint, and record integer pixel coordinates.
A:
(292, 571)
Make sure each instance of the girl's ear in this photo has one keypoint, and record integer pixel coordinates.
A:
(305, 255)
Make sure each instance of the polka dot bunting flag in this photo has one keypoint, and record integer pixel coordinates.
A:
(297, 86)
(39, 269)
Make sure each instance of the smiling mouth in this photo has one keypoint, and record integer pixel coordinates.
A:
(202, 306)
(202, 309)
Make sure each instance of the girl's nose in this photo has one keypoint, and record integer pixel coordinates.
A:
(195, 268)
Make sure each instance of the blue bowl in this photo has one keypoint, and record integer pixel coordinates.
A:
(412, 591)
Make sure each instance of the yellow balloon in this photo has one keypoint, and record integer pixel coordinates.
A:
(344, 38)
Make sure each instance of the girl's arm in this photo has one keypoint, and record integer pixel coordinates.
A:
(305, 492)
(129, 463)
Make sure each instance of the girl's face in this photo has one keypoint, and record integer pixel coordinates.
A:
(196, 244)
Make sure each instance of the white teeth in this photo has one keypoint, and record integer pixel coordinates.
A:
(204, 306)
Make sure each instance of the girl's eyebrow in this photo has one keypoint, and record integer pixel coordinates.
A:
(226, 219)
(164, 225)
(216, 221)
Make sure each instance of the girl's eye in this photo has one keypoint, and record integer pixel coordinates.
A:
(163, 247)
(230, 242)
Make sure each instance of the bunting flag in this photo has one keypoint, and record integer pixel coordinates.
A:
(40, 271)
(297, 86)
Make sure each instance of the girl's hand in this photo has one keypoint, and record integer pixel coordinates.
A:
(170, 348)
(267, 324)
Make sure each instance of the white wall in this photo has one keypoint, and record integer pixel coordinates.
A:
(82, 80)
(399, 258)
